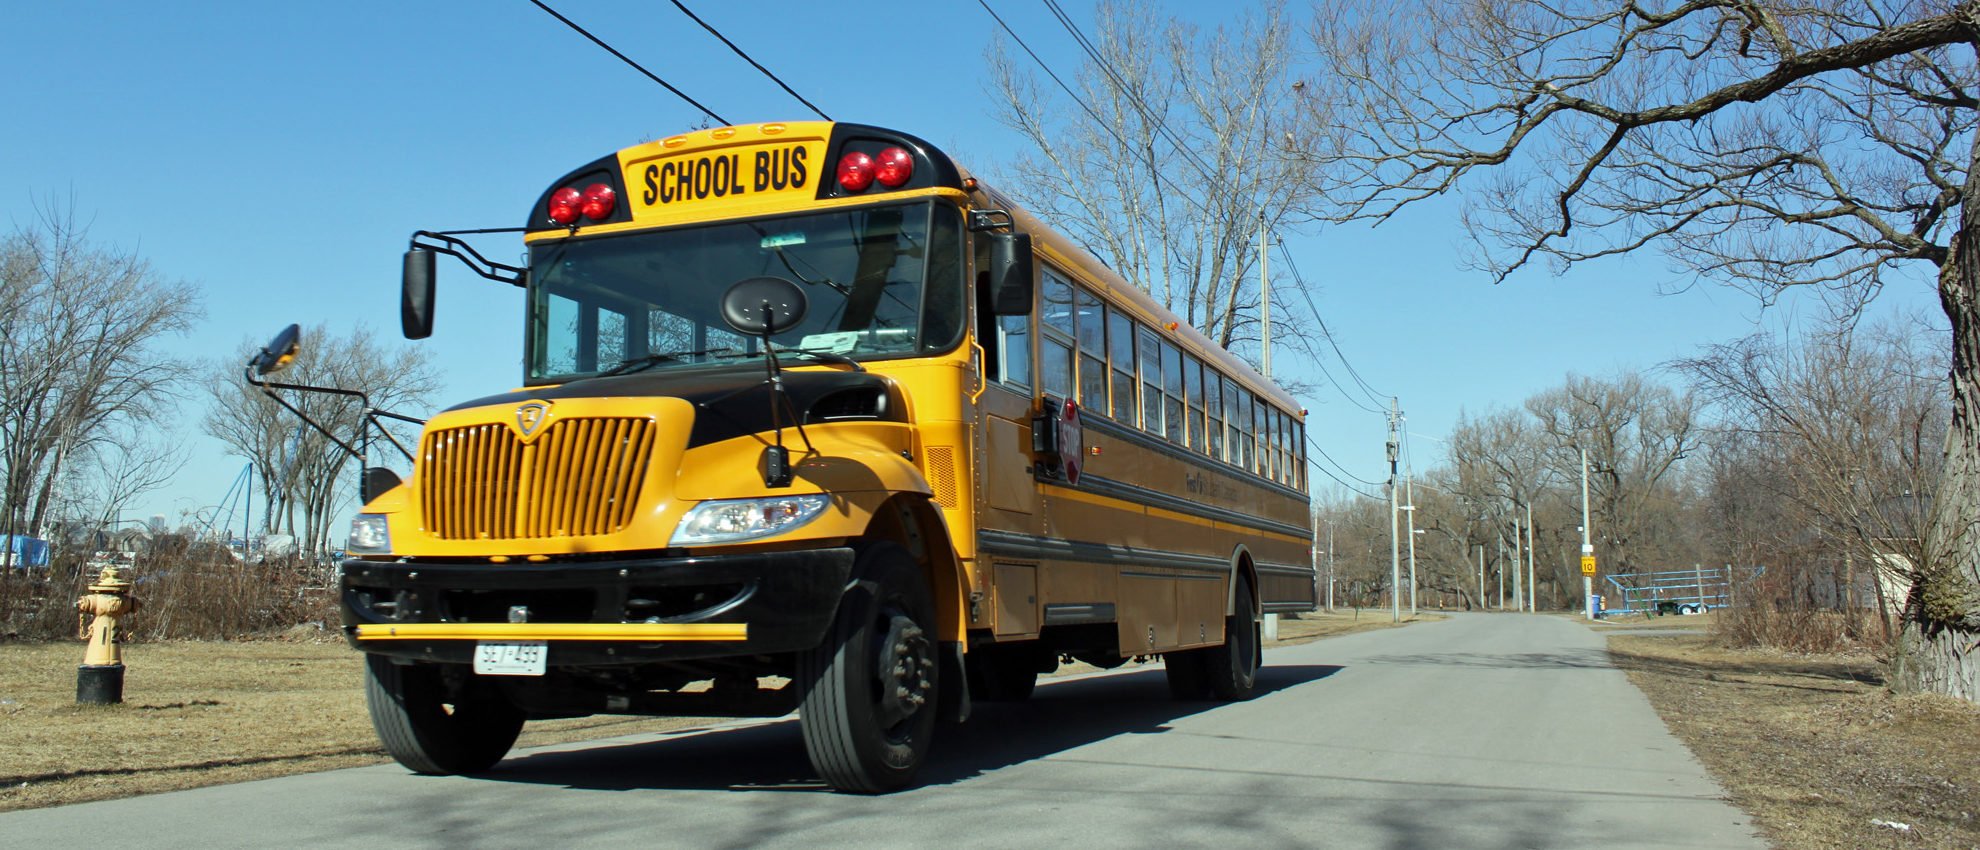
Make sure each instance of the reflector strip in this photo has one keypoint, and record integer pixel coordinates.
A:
(555, 631)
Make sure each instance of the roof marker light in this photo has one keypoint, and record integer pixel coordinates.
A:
(564, 205)
(599, 200)
(855, 171)
(893, 167)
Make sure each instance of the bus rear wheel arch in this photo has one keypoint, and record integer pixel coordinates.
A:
(1228, 672)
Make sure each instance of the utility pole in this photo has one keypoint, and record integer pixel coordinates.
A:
(1498, 533)
(1395, 546)
(1587, 548)
(1532, 592)
(1264, 299)
(1481, 576)
(1409, 492)
(1330, 566)
(1519, 568)
(1271, 630)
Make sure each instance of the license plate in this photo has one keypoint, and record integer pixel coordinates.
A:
(514, 658)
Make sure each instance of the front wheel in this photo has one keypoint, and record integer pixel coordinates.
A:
(432, 728)
(870, 688)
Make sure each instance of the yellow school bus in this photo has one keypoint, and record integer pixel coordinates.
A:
(812, 419)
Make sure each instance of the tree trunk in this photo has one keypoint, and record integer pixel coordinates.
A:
(1939, 643)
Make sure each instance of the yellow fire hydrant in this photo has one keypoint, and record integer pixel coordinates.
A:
(100, 679)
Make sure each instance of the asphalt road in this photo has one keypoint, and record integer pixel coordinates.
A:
(1482, 731)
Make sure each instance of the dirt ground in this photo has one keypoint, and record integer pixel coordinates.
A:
(198, 713)
(1815, 748)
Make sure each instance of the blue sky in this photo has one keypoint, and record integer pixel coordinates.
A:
(279, 155)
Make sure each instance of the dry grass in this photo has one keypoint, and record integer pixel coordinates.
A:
(1813, 746)
(203, 714)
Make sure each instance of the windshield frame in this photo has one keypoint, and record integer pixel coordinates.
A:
(943, 259)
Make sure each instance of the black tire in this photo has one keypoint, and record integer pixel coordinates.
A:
(1231, 670)
(430, 732)
(870, 689)
(997, 674)
(1185, 670)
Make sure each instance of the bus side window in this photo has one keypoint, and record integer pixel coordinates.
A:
(1148, 354)
(1213, 406)
(1092, 352)
(1006, 340)
(1120, 349)
(1193, 399)
(1234, 454)
(1055, 344)
(1014, 337)
(1261, 459)
(1172, 389)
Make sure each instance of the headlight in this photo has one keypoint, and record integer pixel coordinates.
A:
(730, 520)
(369, 534)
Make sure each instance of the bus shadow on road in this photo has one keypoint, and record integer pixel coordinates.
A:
(1062, 716)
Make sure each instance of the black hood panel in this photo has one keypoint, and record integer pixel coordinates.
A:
(735, 402)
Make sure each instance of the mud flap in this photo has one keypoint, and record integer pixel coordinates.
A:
(953, 699)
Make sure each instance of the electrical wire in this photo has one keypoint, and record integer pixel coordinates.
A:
(1327, 332)
(1120, 85)
(636, 66)
(739, 52)
(1090, 113)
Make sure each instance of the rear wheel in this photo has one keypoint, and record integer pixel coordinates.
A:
(1231, 670)
(1003, 674)
(870, 688)
(1185, 671)
(432, 728)
(1228, 672)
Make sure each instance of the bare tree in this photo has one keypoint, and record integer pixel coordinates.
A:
(1635, 432)
(1849, 418)
(78, 324)
(1174, 158)
(302, 471)
(1766, 144)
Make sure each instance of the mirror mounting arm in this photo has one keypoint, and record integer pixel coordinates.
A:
(371, 414)
(444, 242)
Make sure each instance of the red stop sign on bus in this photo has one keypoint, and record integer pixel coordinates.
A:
(1072, 439)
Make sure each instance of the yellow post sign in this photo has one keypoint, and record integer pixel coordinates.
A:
(1588, 565)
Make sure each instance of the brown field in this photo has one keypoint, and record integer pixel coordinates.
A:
(207, 713)
(1814, 747)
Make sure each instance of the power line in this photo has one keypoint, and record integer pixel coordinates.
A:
(1090, 113)
(636, 66)
(1325, 331)
(739, 52)
(1120, 85)
(1311, 444)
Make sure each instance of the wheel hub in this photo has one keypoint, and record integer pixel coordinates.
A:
(906, 670)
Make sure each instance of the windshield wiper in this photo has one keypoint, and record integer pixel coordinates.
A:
(825, 357)
(649, 361)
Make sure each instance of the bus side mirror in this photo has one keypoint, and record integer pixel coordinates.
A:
(278, 353)
(1011, 279)
(416, 295)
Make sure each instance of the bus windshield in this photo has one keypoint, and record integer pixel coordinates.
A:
(882, 282)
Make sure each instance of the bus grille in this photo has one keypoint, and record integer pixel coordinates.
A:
(582, 476)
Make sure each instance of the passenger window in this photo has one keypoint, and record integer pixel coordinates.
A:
(1148, 355)
(1120, 348)
(1014, 342)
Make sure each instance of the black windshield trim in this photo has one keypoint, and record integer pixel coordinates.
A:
(923, 350)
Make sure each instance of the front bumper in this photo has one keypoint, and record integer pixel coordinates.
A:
(617, 612)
